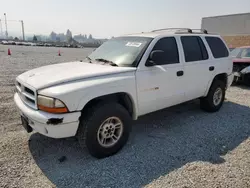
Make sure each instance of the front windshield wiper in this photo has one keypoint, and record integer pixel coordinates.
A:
(106, 61)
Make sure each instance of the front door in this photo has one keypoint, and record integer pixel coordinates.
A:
(161, 85)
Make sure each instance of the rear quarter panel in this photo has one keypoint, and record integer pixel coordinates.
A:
(222, 65)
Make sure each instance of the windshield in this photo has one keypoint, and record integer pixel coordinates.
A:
(235, 52)
(123, 51)
(245, 53)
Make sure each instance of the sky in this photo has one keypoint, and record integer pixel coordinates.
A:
(106, 18)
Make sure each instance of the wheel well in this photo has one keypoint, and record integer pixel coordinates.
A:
(121, 98)
(222, 77)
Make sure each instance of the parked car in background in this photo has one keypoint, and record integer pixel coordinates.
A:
(241, 64)
(4, 42)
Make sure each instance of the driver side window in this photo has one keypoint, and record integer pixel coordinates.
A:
(169, 46)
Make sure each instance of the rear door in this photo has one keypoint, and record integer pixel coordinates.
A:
(198, 67)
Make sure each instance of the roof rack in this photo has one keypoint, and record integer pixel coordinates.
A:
(202, 30)
(182, 30)
(169, 29)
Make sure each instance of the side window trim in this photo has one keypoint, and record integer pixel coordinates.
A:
(201, 43)
(209, 52)
(177, 48)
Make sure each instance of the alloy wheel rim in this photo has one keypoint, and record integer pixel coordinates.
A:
(110, 132)
(217, 98)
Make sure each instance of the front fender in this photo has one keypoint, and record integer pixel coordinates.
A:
(111, 90)
(111, 86)
(77, 94)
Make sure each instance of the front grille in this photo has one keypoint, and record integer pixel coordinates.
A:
(27, 94)
(29, 91)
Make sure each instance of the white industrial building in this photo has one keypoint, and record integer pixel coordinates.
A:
(235, 24)
(234, 28)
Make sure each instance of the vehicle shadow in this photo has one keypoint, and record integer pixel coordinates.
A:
(160, 143)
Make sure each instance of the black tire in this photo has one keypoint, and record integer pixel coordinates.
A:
(207, 103)
(247, 79)
(235, 80)
(90, 123)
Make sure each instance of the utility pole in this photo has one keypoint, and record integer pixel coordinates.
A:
(6, 33)
(1, 28)
(23, 30)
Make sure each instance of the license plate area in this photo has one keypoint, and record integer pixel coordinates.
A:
(25, 124)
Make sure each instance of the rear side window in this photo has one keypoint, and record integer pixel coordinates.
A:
(194, 48)
(169, 46)
(218, 48)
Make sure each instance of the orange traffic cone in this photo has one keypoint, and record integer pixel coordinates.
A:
(59, 53)
(9, 53)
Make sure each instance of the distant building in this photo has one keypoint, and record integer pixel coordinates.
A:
(79, 38)
(61, 37)
(53, 36)
(68, 35)
(234, 28)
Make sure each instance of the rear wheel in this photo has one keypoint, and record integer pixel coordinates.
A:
(105, 130)
(215, 97)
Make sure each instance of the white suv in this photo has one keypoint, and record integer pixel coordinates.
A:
(124, 78)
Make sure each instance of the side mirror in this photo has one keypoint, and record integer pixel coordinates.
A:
(155, 57)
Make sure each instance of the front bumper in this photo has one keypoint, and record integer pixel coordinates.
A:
(244, 71)
(51, 125)
(230, 79)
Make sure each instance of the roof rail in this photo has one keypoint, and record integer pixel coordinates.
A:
(182, 30)
(202, 30)
(178, 29)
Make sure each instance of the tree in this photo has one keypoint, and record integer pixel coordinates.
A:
(16, 39)
(35, 38)
(90, 36)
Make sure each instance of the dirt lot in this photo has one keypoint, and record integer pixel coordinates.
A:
(178, 147)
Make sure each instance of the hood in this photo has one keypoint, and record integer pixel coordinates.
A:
(50, 75)
(241, 60)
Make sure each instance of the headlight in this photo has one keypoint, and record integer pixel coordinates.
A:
(51, 105)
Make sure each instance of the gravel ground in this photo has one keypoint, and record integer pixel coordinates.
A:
(178, 147)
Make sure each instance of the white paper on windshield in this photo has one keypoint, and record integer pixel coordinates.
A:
(134, 44)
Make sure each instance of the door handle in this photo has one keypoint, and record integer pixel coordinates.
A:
(211, 68)
(180, 73)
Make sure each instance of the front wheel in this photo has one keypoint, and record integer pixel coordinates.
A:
(215, 97)
(105, 130)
